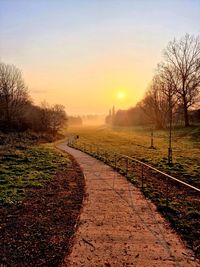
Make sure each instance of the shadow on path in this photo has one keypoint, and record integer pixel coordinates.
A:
(118, 226)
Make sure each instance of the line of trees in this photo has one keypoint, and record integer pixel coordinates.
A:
(175, 88)
(75, 120)
(18, 113)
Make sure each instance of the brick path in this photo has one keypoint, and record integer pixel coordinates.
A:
(118, 226)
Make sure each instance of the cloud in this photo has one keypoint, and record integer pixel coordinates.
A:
(38, 91)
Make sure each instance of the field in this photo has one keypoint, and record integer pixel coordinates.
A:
(176, 202)
(135, 142)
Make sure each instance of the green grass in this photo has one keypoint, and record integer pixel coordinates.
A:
(24, 167)
(135, 142)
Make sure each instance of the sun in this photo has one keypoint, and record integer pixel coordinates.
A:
(120, 95)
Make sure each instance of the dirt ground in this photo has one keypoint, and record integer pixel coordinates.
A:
(38, 231)
(119, 226)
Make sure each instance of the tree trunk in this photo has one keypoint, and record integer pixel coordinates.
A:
(186, 117)
(8, 115)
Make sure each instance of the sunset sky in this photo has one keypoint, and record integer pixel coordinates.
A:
(91, 54)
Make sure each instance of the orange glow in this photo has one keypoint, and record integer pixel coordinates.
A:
(121, 95)
(90, 57)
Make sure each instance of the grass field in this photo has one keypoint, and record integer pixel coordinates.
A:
(23, 167)
(135, 142)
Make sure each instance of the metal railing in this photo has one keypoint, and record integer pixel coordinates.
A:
(141, 170)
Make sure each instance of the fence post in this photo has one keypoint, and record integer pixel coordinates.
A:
(167, 193)
(142, 175)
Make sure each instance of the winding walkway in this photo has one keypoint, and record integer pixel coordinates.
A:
(118, 226)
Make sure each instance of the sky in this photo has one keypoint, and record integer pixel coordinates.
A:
(89, 55)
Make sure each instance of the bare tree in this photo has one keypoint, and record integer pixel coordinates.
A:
(167, 83)
(155, 104)
(51, 119)
(13, 94)
(168, 86)
(57, 118)
(183, 56)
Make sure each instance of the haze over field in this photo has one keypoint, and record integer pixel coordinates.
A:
(90, 55)
(99, 98)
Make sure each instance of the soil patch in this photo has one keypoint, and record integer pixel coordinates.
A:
(38, 231)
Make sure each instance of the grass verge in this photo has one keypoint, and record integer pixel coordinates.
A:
(41, 194)
(23, 167)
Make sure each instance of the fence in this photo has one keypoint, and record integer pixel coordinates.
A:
(113, 159)
(142, 174)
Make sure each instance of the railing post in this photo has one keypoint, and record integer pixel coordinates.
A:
(142, 175)
(167, 193)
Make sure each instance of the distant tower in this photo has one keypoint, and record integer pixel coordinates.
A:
(113, 114)
(113, 111)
